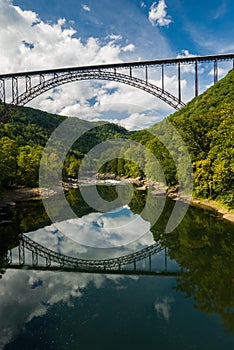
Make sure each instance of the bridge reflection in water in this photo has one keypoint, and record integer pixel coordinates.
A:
(33, 256)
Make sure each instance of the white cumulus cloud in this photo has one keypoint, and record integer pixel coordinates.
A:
(86, 7)
(163, 308)
(28, 43)
(158, 14)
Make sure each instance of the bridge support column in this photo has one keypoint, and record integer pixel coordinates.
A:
(42, 79)
(179, 82)
(34, 258)
(2, 91)
(21, 253)
(15, 90)
(28, 82)
(48, 261)
(162, 77)
(150, 263)
(55, 79)
(146, 74)
(215, 71)
(196, 78)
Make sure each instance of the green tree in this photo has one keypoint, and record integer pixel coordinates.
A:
(8, 161)
(28, 161)
(203, 178)
(71, 166)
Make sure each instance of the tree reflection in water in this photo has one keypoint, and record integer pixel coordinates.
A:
(204, 246)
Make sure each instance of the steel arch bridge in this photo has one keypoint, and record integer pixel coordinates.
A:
(20, 88)
(63, 260)
(68, 77)
(54, 261)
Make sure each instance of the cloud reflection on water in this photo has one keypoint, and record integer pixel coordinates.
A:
(26, 295)
(97, 235)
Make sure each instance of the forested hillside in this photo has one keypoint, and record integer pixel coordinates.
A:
(23, 138)
(206, 124)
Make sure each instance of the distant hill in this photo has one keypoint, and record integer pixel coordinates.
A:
(24, 135)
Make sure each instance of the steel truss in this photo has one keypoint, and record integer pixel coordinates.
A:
(64, 261)
(25, 86)
(61, 79)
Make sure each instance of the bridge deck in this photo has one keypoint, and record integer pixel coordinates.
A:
(167, 61)
(96, 271)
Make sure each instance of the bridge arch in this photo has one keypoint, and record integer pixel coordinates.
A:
(64, 260)
(70, 76)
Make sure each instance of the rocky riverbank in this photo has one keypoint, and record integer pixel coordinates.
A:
(10, 197)
(142, 183)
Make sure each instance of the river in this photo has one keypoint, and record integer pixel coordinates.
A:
(183, 298)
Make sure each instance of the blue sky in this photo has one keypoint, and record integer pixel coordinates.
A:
(201, 27)
(47, 34)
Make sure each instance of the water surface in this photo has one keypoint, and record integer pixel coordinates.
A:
(71, 310)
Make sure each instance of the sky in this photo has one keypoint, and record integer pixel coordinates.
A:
(42, 34)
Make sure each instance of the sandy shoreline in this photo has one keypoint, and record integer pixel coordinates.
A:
(12, 196)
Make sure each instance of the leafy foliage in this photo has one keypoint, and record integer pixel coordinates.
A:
(207, 126)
